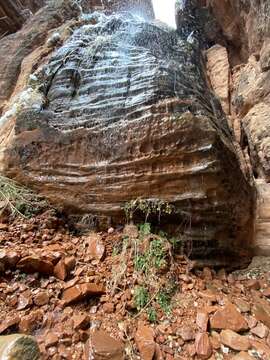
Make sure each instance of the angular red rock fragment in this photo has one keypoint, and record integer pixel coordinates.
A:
(32, 264)
(70, 263)
(108, 308)
(42, 298)
(79, 292)
(202, 320)
(102, 346)
(203, 346)
(81, 321)
(60, 270)
(8, 323)
(228, 318)
(261, 310)
(96, 248)
(242, 305)
(234, 340)
(260, 330)
(51, 339)
(186, 332)
(25, 300)
(266, 292)
(30, 322)
(145, 342)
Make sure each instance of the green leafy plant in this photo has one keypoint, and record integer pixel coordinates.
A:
(177, 244)
(150, 255)
(116, 250)
(158, 253)
(154, 257)
(152, 314)
(141, 263)
(145, 229)
(141, 297)
(164, 300)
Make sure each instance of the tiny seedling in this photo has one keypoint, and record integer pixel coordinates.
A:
(164, 301)
(141, 297)
(152, 314)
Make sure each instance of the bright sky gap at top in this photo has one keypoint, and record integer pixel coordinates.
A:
(165, 11)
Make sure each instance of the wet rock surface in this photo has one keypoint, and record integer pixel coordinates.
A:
(25, 47)
(122, 111)
(101, 109)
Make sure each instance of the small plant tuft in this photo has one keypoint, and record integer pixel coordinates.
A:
(141, 297)
(147, 207)
(19, 200)
(164, 300)
(152, 314)
(144, 229)
(154, 257)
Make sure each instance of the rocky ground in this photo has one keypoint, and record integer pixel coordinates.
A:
(78, 295)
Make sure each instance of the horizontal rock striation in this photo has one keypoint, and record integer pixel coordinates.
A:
(122, 111)
(15, 48)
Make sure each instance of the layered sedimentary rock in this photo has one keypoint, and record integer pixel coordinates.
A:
(142, 7)
(15, 48)
(244, 28)
(122, 111)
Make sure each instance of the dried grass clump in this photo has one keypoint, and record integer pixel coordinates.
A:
(19, 200)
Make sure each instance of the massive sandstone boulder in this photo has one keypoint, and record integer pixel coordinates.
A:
(119, 111)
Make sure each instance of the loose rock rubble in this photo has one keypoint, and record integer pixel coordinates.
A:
(55, 286)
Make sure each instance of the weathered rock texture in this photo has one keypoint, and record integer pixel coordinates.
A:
(244, 29)
(244, 25)
(122, 111)
(18, 347)
(14, 13)
(219, 73)
(16, 48)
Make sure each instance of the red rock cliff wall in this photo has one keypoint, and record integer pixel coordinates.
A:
(13, 14)
(239, 69)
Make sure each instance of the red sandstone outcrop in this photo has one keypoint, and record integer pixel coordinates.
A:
(243, 42)
(93, 128)
(14, 13)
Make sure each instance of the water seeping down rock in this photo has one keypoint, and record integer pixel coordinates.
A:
(121, 110)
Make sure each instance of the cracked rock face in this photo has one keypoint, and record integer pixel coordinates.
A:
(121, 111)
(245, 29)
